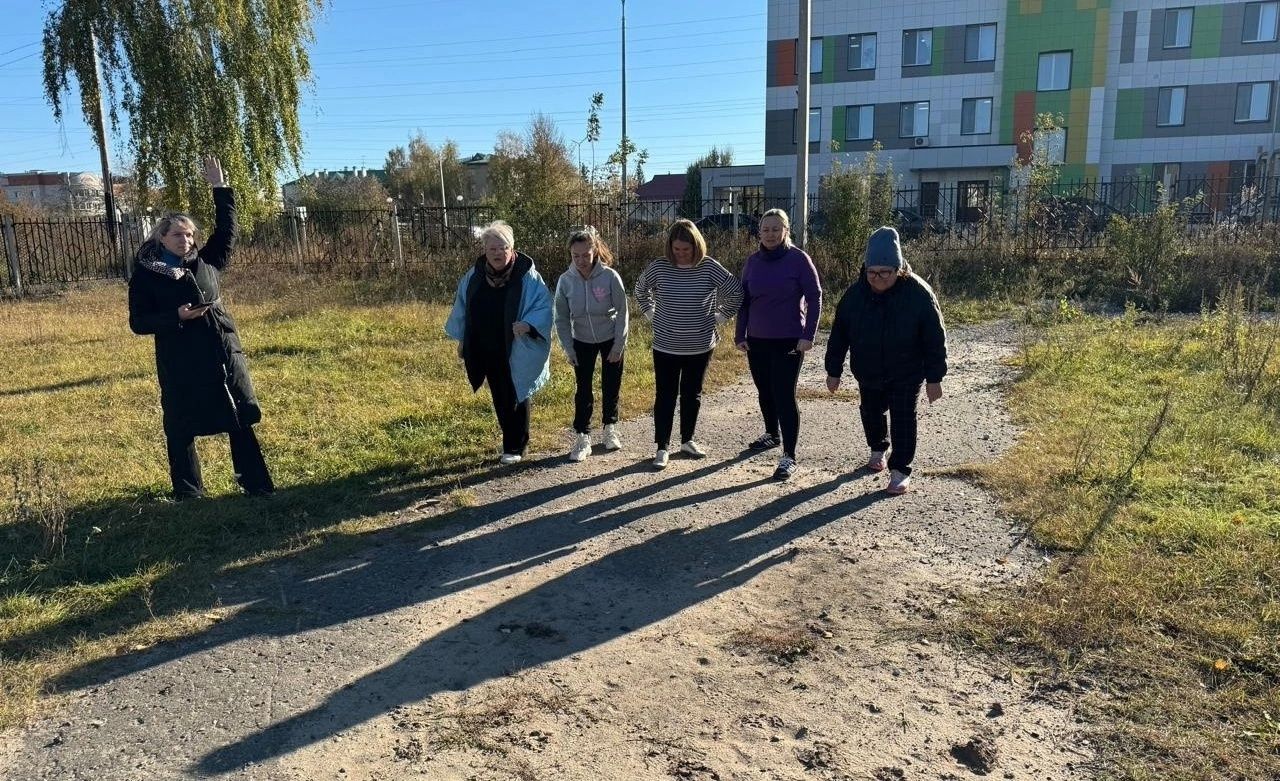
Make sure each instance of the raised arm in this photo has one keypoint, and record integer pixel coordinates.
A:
(226, 228)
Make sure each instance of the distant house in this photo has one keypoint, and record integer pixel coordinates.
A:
(477, 184)
(290, 190)
(80, 194)
(658, 200)
(663, 187)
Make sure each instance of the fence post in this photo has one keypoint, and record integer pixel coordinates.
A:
(395, 232)
(11, 252)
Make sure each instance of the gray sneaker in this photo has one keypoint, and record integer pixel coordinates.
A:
(660, 459)
(693, 450)
(786, 468)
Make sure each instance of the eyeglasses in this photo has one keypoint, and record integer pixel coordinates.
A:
(883, 273)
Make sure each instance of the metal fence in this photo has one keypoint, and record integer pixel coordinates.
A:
(961, 217)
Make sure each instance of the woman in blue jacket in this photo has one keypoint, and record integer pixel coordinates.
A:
(501, 320)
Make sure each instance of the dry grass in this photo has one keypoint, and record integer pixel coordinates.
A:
(780, 645)
(1163, 602)
(367, 414)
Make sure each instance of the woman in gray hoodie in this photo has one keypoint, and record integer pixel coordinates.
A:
(591, 320)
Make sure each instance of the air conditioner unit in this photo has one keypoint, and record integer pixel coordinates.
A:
(920, 141)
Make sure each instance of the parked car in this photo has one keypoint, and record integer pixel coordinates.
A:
(723, 223)
(909, 223)
(912, 224)
(1074, 214)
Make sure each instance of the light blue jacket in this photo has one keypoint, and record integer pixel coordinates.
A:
(529, 355)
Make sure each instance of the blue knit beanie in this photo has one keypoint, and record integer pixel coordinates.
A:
(883, 249)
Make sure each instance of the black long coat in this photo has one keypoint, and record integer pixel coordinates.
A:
(204, 380)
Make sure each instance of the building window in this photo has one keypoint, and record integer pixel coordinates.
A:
(1260, 22)
(1177, 27)
(815, 125)
(862, 52)
(980, 43)
(1172, 111)
(915, 120)
(1052, 144)
(815, 56)
(1055, 72)
(917, 47)
(859, 123)
(975, 116)
(1253, 102)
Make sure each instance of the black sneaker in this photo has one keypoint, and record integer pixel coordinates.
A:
(765, 442)
(786, 468)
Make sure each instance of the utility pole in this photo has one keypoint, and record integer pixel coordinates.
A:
(444, 201)
(624, 101)
(802, 126)
(100, 132)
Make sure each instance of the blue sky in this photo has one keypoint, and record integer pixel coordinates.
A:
(466, 70)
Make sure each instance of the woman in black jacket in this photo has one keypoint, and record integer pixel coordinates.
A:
(204, 381)
(889, 324)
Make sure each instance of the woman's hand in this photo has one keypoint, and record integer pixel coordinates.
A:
(213, 172)
(933, 390)
(833, 384)
(615, 356)
(742, 346)
(460, 351)
(520, 328)
(804, 346)
(189, 312)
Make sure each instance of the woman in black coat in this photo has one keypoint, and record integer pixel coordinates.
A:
(889, 325)
(204, 381)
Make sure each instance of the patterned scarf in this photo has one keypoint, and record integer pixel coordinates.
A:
(151, 257)
(500, 278)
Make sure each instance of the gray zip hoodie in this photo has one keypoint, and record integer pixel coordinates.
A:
(591, 310)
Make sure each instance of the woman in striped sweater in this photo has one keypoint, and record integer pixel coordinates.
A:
(687, 296)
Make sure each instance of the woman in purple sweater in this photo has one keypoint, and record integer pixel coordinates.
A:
(781, 304)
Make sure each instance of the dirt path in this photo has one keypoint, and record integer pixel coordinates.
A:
(598, 621)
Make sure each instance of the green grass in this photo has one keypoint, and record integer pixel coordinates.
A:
(1163, 598)
(367, 412)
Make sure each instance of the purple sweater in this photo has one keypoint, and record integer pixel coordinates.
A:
(781, 297)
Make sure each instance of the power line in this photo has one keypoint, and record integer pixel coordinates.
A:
(19, 48)
(19, 59)
(559, 34)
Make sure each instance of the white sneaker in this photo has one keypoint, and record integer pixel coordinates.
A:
(660, 459)
(581, 448)
(898, 483)
(693, 450)
(876, 462)
(612, 439)
(507, 459)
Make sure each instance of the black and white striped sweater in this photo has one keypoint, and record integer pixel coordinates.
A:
(687, 304)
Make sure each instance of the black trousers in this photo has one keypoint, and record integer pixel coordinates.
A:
(775, 368)
(513, 416)
(246, 458)
(610, 384)
(889, 418)
(677, 376)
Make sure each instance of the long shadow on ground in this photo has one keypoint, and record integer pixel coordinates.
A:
(627, 589)
(398, 575)
(199, 540)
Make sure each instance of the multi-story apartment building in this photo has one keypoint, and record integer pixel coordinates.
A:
(80, 193)
(1165, 91)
